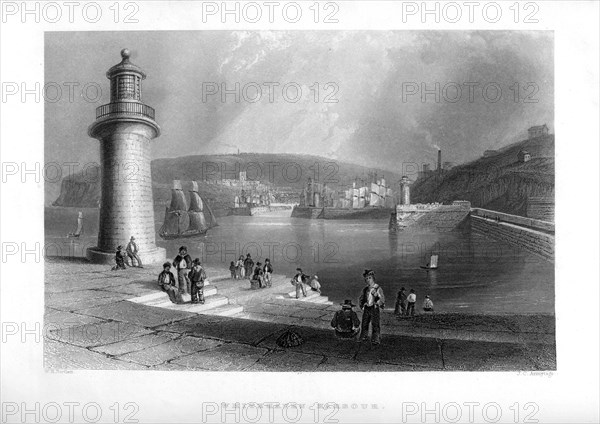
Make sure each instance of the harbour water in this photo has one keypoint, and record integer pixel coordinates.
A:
(475, 274)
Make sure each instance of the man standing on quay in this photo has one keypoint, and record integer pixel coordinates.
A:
(371, 302)
(183, 264)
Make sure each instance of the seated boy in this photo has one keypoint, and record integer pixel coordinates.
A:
(346, 322)
(166, 281)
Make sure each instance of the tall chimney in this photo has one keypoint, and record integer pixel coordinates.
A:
(439, 166)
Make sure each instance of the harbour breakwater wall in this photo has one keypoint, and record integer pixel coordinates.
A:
(533, 235)
(258, 210)
(430, 217)
(306, 212)
(340, 213)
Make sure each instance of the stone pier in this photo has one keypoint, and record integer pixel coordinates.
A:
(533, 235)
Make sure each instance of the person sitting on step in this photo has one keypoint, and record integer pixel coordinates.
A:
(119, 259)
(167, 283)
(427, 304)
(315, 285)
(346, 322)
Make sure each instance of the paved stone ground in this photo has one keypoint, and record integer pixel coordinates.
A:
(89, 324)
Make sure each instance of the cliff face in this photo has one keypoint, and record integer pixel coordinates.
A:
(500, 182)
(79, 191)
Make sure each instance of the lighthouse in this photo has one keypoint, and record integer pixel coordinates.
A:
(125, 128)
(405, 191)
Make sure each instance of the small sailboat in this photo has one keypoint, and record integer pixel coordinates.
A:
(181, 222)
(79, 230)
(433, 263)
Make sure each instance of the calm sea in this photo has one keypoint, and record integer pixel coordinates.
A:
(475, 274)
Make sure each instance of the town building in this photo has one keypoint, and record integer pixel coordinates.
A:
(523, 156)
(537, 131)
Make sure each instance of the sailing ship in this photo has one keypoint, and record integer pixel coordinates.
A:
(79, 230)
(181, 221)
(378, 195)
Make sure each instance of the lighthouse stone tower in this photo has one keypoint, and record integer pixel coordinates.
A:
(125, 128)
(405, 191)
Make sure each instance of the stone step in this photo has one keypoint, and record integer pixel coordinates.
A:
(160, 298)
(149, 297)
(225, 310)
(219, 277)
(209, 302)
(310, 296)
(323, 299)
(285, 301)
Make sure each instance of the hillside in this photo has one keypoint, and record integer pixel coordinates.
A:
(284, 171)
(498, 182)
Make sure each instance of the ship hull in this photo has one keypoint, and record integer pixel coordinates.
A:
(182, 235)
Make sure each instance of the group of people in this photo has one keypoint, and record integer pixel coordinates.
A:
(260, 275)
(300, 281)
(190, 278)
(242, 268)
(132, 253)
(405, 304)
(346, 323)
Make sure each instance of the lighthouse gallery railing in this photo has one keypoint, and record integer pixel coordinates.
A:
(127, 108)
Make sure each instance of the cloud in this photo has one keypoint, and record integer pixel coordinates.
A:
(364, 71)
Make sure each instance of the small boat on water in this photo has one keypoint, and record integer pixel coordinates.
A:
(433, 263)
(183, 222)
(79, 230)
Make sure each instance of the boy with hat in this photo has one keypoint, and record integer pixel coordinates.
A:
(183, 263)
(371, 302)
(197, 276)
(248, 264)
(268, 271)
(132, 252)
(119, 259)
(411, 299)
(428, 304)
(298, 281)
(258, 276)
(166, 282)
(400, 308)
(345, 321)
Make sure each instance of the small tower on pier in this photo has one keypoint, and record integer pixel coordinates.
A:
(405, 191)
(125, 128)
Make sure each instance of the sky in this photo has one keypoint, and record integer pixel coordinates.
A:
(352, 96)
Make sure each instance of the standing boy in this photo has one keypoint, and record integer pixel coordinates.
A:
(197, 276)
(412, 299)
(183, 263)
(371, 302)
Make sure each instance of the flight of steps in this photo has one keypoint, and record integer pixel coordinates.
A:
(214, 303)
(314, 310)
(276, 304)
